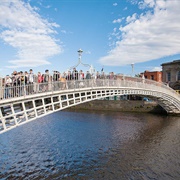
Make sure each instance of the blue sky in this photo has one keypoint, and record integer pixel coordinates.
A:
(46, 34)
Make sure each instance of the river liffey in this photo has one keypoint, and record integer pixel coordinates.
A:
(76, 145)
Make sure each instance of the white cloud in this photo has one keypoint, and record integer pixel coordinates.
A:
(47, 7)
(115, 4)
(88, 52)
(131, 18)
(151, 36)
(63, 31)
(117, 21)
(146, 3)
(156, 69)
(27, 63)
(133, 1)
(24, 29)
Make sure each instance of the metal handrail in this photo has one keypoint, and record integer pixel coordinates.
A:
(13, 91)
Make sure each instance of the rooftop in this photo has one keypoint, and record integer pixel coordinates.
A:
(173, 62)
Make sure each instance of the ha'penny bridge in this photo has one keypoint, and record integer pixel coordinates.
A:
(25, 105)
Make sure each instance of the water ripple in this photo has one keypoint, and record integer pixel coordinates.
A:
(93, 145)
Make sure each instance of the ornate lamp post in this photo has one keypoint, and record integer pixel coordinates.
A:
(80, 51)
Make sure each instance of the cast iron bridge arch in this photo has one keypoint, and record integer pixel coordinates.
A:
(16, 111)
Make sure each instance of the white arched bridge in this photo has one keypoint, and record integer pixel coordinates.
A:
(22, 104)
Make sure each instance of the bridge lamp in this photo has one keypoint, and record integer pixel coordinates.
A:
(80, 51)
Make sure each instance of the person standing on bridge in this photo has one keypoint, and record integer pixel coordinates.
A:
(31, 81)
(63, 81)
(14, 83)
(75, 77)
(69, 78)
(40, 80)
(75, 74)
(111, 78)
(88, 78)
(8, 85)
(81, 75)
(56, 84)
(81, 78)
(46, 80)
(97, 78)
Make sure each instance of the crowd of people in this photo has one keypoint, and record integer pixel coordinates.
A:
(23, 83)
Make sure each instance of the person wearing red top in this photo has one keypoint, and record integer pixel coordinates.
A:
(40, 80)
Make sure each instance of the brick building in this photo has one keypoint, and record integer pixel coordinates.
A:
(153, 75)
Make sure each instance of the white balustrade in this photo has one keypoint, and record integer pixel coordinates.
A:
(23, 103)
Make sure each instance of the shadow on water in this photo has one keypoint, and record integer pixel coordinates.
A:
(93, 145)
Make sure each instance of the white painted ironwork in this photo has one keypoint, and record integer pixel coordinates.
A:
(23, 105)
(80, 51)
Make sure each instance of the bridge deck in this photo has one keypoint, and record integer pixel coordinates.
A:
(24, 105)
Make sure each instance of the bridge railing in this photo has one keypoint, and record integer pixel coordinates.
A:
(147, 84)
(13, 91)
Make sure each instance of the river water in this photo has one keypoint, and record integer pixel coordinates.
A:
(93, 145)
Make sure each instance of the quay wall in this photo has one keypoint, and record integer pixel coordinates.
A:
(123, 106)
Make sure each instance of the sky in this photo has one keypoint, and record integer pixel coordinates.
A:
(115, 35)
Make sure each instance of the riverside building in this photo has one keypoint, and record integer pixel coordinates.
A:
(171, 74)
(153, 75)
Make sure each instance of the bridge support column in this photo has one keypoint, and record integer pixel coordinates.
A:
(74, 98)
(24, 109)
(34, 106)
(2, 120)
(52, 103)
(60, 103)
(44, 106)
(13, 112)
(67, 100)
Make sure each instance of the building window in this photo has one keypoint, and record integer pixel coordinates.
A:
(152, 77)
(178, 76)
(168, 76)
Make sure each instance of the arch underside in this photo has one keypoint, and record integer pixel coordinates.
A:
(23, 110)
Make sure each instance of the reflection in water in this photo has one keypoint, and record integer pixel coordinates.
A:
(93, 145)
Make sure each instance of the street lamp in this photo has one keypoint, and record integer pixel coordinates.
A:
(80, 51)
(132, 65)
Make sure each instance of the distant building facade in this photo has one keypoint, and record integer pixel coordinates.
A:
(171, 74)
(153, 75)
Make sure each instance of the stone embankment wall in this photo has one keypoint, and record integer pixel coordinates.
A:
(124, 106)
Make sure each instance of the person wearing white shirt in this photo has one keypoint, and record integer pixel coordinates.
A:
(8, 86)
(31, 81)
